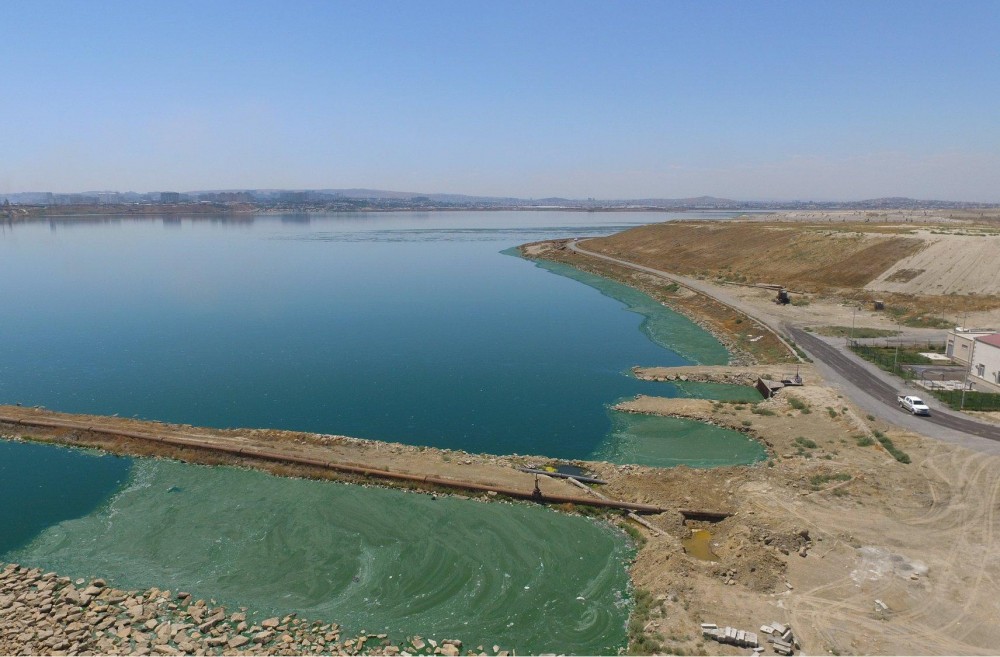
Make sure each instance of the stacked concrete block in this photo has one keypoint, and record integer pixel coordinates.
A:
(729, 635)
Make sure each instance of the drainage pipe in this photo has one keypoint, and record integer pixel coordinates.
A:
(265, 455)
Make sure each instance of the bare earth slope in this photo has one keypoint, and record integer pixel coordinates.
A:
(800, 256)
(950, 264)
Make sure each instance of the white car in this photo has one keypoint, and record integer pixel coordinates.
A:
(913, 404)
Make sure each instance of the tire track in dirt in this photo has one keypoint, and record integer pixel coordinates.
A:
(958, 510)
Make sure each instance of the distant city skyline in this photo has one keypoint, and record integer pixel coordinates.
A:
(825, 101)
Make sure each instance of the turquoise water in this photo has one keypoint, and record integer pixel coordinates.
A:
(372, 559)
(668, 441)
(41, 485)
(661, 326)
(716, 391)
(405, 327)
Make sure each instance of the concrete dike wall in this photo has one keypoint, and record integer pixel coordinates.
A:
(208, 444)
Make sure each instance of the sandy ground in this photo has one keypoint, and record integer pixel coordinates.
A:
(883, 216)
(950, 264)
(829, 311)
(920, 537)
(959, 258)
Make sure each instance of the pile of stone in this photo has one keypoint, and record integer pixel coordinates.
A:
(781, 638)
(717, 376)
(729, 635)
(43, 613)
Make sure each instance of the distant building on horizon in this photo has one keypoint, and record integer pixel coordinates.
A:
(74, 199)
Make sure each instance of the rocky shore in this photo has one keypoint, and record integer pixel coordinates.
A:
(46, 614)
(698, 374)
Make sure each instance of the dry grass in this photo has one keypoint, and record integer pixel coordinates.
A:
(815, 258)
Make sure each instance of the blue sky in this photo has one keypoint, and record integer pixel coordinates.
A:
(752, 100)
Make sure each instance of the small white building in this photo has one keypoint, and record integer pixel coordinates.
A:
(984, 375)
(961, 342)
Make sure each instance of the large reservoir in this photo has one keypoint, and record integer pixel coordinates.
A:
(419, 328)
(422, 329)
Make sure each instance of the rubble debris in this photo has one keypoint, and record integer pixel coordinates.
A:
(729, 635)
(781, 637)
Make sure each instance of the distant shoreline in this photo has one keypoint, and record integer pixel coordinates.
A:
(24, 214)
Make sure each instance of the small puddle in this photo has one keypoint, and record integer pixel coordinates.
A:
(699, 545)
(563, 468)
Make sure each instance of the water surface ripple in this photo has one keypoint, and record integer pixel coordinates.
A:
(404, 327)
(371, 559)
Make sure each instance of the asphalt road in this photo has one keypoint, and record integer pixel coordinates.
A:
(882, 391)
(877, 394)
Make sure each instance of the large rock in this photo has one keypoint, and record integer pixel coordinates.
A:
(238, 641)
(263, 637)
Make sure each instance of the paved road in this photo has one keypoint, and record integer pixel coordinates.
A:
(874, 390)
(879, 389)
(696, 285)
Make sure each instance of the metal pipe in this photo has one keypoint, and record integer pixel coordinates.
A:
(339, 467)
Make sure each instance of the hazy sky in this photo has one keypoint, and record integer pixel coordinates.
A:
(753, 100)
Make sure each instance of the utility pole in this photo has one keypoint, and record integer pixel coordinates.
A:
(968, 371)
(899, 338)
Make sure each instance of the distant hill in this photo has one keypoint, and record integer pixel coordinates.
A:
(360, 198)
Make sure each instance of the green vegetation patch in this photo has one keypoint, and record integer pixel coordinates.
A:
(638, 642)
(820, 480)
(893, 358)
(635, 534)
(854, 332)
(897, 453)
(797, 403)
(974, 401)
(798, 351)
